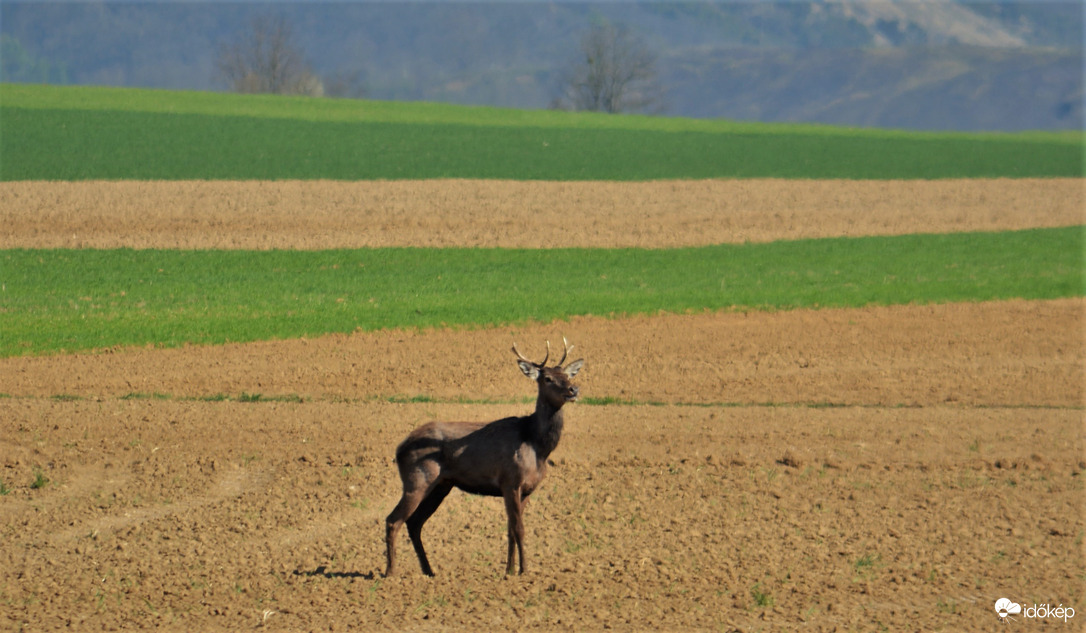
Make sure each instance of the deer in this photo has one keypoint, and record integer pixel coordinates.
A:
(505, 458)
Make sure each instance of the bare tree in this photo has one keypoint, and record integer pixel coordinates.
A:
(615, 72)
(345, 84)
(265, 58)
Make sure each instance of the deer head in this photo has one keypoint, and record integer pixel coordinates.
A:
(554, 382)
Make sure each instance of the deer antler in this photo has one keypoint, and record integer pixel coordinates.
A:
(519, 355)
(565, 345)
(540, 365)
(568, 347)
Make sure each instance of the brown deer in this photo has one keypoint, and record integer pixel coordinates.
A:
(506, 458)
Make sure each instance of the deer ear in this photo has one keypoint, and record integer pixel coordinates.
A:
(529, 369)
(574, 367)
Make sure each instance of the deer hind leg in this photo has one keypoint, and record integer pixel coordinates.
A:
(416, 487)
(415, 522)
(408, 502)
(418, 472)
(514, 508)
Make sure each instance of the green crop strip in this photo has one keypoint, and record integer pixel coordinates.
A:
(109, 99)
(81, 145)
(54, 300)
(81, 133)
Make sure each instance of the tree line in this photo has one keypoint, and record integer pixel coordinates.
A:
(614, 70)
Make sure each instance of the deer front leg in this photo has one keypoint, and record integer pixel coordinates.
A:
(514, 508)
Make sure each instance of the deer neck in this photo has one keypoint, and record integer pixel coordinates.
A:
(545, 427)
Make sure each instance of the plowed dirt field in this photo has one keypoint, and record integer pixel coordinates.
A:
(333, 214)
(892, 468)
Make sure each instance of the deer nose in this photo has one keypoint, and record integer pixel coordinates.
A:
(573, 391)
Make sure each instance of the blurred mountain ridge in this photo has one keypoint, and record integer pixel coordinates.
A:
(920, 65)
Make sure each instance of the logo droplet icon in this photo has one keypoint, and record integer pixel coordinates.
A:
(1004, 607)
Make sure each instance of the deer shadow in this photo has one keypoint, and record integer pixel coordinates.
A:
(322, 570)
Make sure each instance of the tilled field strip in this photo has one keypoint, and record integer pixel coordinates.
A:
(985, 354)
(459, 213)
(230, 515)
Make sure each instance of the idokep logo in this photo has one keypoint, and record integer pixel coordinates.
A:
(1005, 608)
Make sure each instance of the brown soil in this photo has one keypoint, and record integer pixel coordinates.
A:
(881, 469)
(973, 354)
(332, 214)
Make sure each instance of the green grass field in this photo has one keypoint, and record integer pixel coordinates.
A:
(85, 299)
(79, 133)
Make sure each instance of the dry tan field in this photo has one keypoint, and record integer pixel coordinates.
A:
(897, 468)
(333, 214)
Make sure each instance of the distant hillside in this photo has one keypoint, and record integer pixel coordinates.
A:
(929, 65)
(951, 88)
